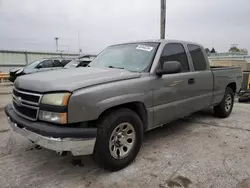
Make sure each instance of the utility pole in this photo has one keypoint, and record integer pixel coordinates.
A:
(163, 18)
(56, 38)
(79, 42)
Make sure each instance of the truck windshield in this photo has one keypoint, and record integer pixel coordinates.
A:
(135, 57)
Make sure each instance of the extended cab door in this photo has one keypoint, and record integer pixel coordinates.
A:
(202, 87)
(172, 92)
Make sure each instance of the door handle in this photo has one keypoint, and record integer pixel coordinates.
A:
(191, 81)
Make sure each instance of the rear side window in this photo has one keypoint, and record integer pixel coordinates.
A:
(57, 63)
(175, 52)
(84, 63)
(198, 58)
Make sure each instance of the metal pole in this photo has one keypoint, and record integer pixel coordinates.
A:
(163, 18)
(26, 58)
(79, 42)
(56, 38)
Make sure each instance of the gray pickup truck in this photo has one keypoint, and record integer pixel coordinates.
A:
(130, 88)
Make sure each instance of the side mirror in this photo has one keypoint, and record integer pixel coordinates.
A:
(39, 66)
(169, 67)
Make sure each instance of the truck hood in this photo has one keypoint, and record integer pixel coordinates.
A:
(71, 79)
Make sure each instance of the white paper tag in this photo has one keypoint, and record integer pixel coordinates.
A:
(145, 48)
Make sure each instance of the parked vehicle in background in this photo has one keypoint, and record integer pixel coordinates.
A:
(244, 94)
(80, 62)
(38, 66)
(128, 89)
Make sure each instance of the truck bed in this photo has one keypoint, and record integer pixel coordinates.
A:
(222, 77)
(215, 68)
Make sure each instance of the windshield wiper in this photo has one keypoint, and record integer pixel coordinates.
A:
(115, 67)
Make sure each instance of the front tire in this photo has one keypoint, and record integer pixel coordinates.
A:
(119, 139)
(224, 108)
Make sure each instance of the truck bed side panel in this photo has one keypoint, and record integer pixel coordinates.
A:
(222, 78)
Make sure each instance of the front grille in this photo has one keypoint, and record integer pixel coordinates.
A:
(26, 96)
(26, 112)
(26, 104)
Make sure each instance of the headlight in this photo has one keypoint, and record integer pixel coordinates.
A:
(56, 99)
(53, 117)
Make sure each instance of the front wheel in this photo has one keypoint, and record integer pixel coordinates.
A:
(224, 108)
(118, 140)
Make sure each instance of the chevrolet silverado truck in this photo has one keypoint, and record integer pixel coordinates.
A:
(128, 89)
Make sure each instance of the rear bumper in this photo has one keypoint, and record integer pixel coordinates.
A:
(83, 145)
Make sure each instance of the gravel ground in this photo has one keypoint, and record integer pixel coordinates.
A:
(199, 151)
(5, 89)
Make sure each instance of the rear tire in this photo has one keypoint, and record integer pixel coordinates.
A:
(224, 108)
(119, 139)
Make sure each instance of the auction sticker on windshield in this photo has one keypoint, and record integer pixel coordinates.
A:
(145, 48)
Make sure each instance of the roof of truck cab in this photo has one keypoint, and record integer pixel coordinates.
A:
(163, 41)
(59, 58)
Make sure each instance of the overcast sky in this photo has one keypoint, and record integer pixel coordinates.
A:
(33, 24)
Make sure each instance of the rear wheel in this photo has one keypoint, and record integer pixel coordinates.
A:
(118, 140)
(224, 108)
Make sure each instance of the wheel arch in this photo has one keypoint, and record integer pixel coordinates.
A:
(233, 86)
(138, 107)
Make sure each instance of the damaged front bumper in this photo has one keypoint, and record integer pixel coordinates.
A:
(81, 142)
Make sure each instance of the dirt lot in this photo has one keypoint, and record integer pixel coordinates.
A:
(199, 151)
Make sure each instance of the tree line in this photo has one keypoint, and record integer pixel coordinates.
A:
(231, 49)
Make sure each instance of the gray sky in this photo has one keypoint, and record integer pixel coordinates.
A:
(33, 24)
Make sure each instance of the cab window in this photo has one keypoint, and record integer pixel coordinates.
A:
(198, 58)
(175, 52)
(45, 64)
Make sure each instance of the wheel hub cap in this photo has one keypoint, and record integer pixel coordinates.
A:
(228, 102)
(122, 140)
(119, 139)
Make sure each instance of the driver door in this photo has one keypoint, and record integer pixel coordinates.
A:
(172, 91)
